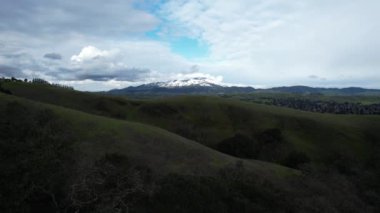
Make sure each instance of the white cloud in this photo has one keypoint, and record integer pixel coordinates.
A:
(91, 53)
(92, 17)
(105, 65)
(127, 56)
(251, 42)
(91, 85)
(276, 42)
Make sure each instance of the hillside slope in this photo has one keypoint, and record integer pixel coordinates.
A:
(64, 151)
(162, 151)
(210, 120)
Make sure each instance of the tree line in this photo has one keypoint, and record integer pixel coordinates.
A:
(327, 106)
(34, 81)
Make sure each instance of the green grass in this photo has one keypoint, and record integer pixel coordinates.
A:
(209, 120)
(160, 150)
(313, 133)
(115, 137)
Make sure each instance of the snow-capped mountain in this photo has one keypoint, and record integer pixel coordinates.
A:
(197, 85)
(203, 85)
(199, 82)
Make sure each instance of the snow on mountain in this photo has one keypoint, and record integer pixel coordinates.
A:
(198, 81)
(193, 85)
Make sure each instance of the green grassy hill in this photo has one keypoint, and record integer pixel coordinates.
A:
(210, 120)
(160, 150)
(68, 151)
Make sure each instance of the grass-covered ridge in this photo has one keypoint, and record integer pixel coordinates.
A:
(211, 120)
(163, 151)
(68, 151)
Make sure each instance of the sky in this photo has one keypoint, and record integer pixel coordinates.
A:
(97, 45)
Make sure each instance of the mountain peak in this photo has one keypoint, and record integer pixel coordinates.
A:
(190, 82)
(195, 85)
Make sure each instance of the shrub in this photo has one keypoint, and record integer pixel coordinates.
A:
(270, 136)
(3, 90)
(239, 145)
(34, 147)
(112, 184)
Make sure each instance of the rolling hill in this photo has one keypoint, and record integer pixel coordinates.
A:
(163, 151)
(210, 120)
(75, 151)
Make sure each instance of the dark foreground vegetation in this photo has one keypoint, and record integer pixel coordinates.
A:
(40, 172)
(268, 145)
(51, 159)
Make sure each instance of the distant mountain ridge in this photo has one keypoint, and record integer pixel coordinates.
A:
(201, 85)
(198, 85)
(319, 90)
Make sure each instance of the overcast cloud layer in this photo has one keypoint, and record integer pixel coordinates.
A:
(99, 45)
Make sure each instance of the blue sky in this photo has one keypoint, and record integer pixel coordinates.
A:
(98, 45)
(182, 44)
(190, 48)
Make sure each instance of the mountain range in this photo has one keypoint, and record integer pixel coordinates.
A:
(186, 86)
(201, 85)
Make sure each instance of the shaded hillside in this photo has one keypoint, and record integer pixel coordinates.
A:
(163, 151)
(47, 150)
(60, 159)
(211, 120)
